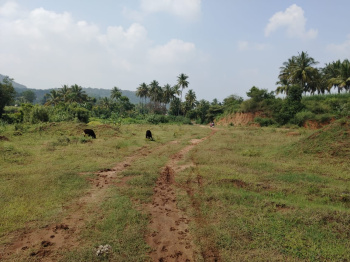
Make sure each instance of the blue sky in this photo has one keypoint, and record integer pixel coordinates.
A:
(224, 46)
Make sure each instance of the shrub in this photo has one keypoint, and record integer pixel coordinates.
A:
(156, 119)
(324, 118)
(26, 111)
(249, 106)
(12, 118)
(263, 121)
(300, 117)
(81, 114)
(291, 106)
(38, 114)
(317, 107)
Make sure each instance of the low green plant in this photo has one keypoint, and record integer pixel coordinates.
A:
(300, 117)
(262, 121)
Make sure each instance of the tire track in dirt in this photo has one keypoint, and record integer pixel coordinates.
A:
(170, 237)
(44, 243)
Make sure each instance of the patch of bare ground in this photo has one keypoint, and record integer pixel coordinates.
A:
(45, 243)
(170, 237)
(3, 138)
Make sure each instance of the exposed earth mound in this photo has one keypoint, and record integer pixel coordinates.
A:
(240, 119)
(333, 139)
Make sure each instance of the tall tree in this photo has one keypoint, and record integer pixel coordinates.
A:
(168, 94)
(142, 92)
(182, 83)
(64, 93)
(52, 98)
(7, 93)
(303, 70)
(154, 91)
(297, 70)
(105, 102)
(342, 76)
(331, 72)
(77, 94)
(190, 99)
(116, 93)
(28, 96)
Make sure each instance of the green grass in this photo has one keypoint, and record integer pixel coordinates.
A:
(264, 204)
(263, 196)
(118, 224)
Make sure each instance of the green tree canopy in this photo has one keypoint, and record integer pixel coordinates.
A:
(7, 93)
(28, 96)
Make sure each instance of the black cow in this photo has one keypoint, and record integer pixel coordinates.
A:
(149, 135)
(90, 132)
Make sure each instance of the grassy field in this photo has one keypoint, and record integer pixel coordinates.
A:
(256, 194)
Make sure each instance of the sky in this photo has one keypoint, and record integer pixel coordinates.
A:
(225, 47)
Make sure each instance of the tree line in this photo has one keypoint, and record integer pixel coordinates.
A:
(300, 70)
(298, 75)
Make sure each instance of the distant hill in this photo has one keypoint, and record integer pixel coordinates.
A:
(99, 93)
(15, 85)
(93, 92)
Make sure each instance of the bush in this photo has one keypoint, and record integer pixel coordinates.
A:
(38, 114)
(179, 120)
(156, 119)
(249, 106)
(324, 118)
(162, 119)
(81, 114)
(59, 115)
(300, 118)
(317, 107)
(73, 112)
(13, 117)
(263, 121)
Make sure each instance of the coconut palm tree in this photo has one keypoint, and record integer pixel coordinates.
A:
(77, 94)
(182, 83)
(116, 93)
(142, 92)
(342, 78)
(154, 89)
(52, 98)
(283, 86)
(331, 71)
(285, 79)
(302, 70)
(297, 70)
(190, 99)
(64, 93)
(106, 102)
(168, 94)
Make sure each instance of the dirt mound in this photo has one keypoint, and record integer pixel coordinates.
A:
(333, 140)
(313, 124)
(240, 119)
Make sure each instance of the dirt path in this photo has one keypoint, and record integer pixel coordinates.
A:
(44, 243)
(170, 237)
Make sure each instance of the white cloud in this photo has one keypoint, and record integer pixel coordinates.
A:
(50, 49)
(175, 51)
(342, 49)
(117, 36)
(246, 46)
(188, 9)
(9, 9)
(293, 20)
